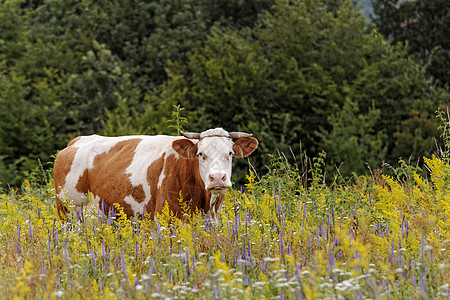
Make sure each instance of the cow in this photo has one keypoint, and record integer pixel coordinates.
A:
(141, 173)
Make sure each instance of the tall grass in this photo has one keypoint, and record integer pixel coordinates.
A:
(377, 238)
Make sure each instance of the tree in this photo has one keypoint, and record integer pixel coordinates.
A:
(299, 76)
(51, 88)
(355, 139)
(424, 25)
(68, 65)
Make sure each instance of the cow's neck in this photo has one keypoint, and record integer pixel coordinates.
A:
(184, 175)
(203, 200)
(192, 185)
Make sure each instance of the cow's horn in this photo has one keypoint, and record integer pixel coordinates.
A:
(191, 135)
(237, 135)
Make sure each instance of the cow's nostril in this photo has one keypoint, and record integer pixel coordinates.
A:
(211, 178)
(224, 177)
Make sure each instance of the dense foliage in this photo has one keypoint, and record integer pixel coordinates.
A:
(424, 25)
(380, 238)
(306, 74)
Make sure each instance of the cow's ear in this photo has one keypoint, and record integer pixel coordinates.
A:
(244, 146)
(185, 148)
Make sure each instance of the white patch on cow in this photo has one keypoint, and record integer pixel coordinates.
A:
(147, 152)
(161, 178)
(137, 207)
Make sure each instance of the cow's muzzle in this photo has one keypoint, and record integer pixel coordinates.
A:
(218, 182)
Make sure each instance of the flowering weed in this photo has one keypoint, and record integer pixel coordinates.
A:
(378, 238)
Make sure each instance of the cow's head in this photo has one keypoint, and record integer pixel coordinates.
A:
(215, 149)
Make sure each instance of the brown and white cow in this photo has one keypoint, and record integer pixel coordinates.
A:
(141, 172)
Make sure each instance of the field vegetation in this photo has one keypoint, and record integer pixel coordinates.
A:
(285, 235)
(314, 73)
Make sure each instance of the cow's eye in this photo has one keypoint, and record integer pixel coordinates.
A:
(231, 153)
(201, 155)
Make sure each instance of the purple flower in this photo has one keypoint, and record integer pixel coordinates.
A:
(93, 258)
(124, 267)
(370, 199)
(331, 261)
(407, 227)
(66, 254)
(18, 241)
(103, 249)
(422, 246)
(298, 267)
(281, 243)
(143, 211)
(193, 264)
(188, 269)
(423, 284)
(104, 208)
(30, 228)
(43, 266)
(49, 244)
(318, 237)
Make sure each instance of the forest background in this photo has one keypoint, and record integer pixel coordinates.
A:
(302, 76)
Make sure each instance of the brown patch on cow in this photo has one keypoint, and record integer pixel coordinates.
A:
(83, 183)
(138, 193)
(109, 180)
(63, 164)
(181, 174)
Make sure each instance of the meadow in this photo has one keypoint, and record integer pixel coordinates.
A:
(281, 236)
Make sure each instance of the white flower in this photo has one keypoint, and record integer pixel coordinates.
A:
(145, 277)
(58, 293)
